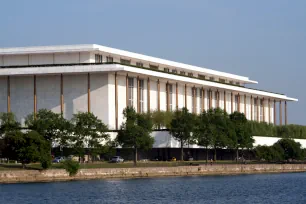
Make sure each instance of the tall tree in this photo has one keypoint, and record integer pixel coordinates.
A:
(243, 137)
(10, 133)
(88, 132)
(202, 132)
(135, 131)
(52, 126)
(218, 125)
(8, 123)
(182, 126)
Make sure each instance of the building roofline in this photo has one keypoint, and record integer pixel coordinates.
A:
(95, 47)
(79, 68)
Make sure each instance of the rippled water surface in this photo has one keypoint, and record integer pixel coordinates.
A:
(260, 188)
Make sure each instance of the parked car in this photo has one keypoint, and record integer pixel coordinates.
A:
(117, 159)
(58, 159)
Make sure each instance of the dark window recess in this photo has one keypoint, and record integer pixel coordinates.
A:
(98, 58)
(222, 80)
(201, 76)
(153, 66)
(211, 78)
(124, 61)
(182, 73)
(109, 59)
(174, 71)
(190, 74)
(166, 69)
(139, 64)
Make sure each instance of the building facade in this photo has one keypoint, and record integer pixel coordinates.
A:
(103, 80)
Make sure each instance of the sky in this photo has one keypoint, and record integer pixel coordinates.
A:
(263, 40)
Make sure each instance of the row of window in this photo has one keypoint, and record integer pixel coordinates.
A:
(99, 58)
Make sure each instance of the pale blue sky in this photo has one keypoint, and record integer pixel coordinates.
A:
(264, 40)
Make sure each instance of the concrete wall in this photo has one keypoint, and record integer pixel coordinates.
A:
(3, 94)
(48, 92)
(102, 97)
(56, 58)
(62, 175)
(22, 96)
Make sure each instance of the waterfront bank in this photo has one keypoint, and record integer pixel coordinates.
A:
(24, 176)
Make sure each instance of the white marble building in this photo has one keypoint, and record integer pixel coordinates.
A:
(103, 80)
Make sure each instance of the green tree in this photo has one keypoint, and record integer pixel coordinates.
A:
(88, 132)
(218, 125)
(27, 147)
(269, 153)
(182, 126)
(8, 123)
(52, 126)
(161, 119)
(291, 149)
(241, 137)
(135, 131)
(202, 132)
(10, 133)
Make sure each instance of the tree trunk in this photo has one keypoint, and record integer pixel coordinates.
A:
(215, 154)
(135, 156)
(182, 151)
(237, 155)
(206, 154)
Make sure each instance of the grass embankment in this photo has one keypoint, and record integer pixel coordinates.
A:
(37, 166)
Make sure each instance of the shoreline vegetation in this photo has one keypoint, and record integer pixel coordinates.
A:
(86, 135)
(55, 175)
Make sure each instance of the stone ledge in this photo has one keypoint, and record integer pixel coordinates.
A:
(24, 176)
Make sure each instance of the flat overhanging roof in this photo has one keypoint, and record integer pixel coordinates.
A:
(74, 69)
(126, 54)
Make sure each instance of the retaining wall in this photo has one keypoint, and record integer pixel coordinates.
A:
(103, 173)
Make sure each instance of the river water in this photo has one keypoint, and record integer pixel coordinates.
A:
(255, 188)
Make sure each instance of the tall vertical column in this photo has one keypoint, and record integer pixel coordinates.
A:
(158, 95)
(218, 99)
(251, 107)
(274, 110)
(280, 113)
(127, 90)
(88, 92)
(35, 96)
(194, 100)
(203, 97)
(257, 106)
(176, 95)
(286, 119)
(185, 95)
(138, 96)
(148, 94)
(224, 100)
(210, 99)
(238, 103)
(62, 96)
(232, 103)
(167, 94)
(8, 94)
(263, 110)
(245, 105)
(269, 109)
(116, 101)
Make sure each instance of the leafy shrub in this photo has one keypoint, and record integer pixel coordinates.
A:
(71, 167)
(45, 161)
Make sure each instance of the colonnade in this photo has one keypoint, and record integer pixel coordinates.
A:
(202, 90)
